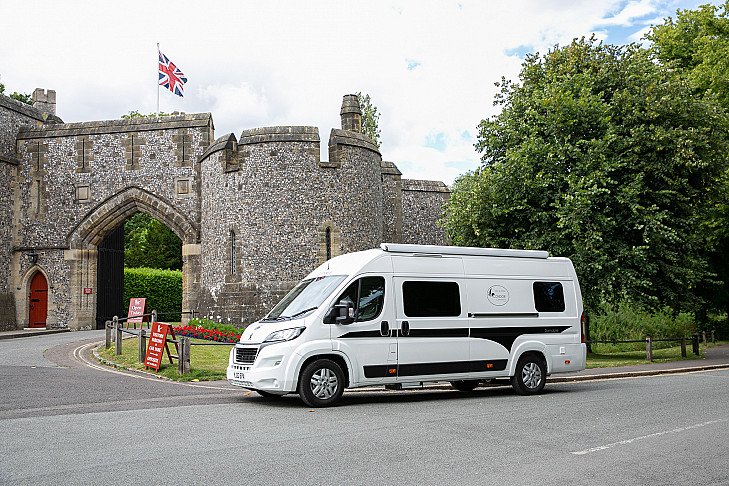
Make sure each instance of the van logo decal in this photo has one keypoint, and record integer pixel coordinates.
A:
(498, 295)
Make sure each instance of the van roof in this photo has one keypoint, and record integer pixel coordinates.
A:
(462, 250)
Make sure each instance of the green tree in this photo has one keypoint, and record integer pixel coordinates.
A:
(149, 243)
(370, 118)
(695, 45)
(599, 154)
(135, 114)
(22, 97)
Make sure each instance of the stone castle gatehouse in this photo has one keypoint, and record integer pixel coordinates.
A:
(255, 214)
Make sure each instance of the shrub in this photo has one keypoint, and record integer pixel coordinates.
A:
(627, 322)
(161, 288)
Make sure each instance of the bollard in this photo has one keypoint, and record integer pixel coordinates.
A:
(183, 362)
(683, 347)
(703, 333)
(712, 337)
(118, 339)
(648, 349)
(107, 327)
(142, 344)
(695, 343)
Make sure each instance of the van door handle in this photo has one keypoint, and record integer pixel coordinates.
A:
(384, 328)
(405, 328)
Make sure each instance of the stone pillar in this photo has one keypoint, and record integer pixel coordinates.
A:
(351, 114)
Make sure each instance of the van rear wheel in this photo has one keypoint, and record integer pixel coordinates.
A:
(465, 385)
(530, 375)
(321, 383)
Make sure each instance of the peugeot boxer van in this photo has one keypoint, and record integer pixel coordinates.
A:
(402, 315)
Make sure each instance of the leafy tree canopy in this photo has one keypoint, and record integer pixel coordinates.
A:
(696, 46)
(136, 114)
(370, 118)
(149, 243)
(600, 155)
(22, 97)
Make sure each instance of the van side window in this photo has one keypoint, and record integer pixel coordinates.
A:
(431, 299)
(548, 297)
(368, 296)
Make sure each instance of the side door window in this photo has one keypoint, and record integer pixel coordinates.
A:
(367, 294)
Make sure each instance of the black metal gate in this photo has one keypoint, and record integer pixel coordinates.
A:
(110, 277)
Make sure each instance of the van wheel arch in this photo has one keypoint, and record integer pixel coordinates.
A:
(337, 358)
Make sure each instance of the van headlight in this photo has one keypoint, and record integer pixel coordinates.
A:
(284, 334)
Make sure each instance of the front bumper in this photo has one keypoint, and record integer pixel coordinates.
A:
(266, 367)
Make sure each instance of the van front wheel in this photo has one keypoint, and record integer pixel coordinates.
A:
(530, 375)
(321, 383)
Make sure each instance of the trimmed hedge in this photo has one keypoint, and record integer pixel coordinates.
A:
(161, 288)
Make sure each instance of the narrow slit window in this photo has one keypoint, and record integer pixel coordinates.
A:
(232, 252)
(329, 243)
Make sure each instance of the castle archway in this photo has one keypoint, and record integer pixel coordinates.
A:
(84, 241)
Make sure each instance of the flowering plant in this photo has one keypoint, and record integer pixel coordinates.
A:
(200, 332)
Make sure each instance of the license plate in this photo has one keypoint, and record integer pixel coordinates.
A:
(239, 375)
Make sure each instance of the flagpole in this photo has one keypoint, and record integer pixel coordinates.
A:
(158, 79)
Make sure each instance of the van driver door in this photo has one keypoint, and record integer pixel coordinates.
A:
(369, 341)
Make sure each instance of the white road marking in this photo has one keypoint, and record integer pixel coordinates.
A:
(649, 436)
(79, 354)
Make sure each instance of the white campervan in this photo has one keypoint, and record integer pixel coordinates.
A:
(402, 315)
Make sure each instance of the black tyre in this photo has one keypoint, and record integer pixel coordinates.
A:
(530, 375)
(321, 383)
(465, 385)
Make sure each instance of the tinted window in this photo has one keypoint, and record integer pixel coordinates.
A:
(548, 297)
(431, 299)
(367, 295)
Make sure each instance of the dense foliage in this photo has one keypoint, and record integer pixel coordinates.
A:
(149, 243)
(603, 155)
(161, 288)
(26, 98)
(370, 118)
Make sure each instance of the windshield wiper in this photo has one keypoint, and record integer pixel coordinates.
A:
(300, 312)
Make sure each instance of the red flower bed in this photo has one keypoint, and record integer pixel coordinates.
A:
(207, 334)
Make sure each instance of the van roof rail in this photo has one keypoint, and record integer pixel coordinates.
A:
(462, 250)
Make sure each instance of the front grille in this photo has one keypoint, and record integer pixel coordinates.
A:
(245, 355)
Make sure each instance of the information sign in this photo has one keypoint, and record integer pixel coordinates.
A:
(157, 342)
(137, 307)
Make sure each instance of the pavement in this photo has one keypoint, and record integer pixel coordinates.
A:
(716, 357)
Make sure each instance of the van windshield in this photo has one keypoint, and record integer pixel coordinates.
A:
(306, 296)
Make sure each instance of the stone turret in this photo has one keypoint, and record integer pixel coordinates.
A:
(45, 101)
(351, 114)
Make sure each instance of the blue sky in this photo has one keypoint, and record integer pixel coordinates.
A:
(428, 65)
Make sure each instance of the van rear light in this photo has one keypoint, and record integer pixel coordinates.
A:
(583, 322)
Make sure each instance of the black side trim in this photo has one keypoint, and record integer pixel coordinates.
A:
(420, 369)
(494, 315)
(454, 332)
(361, 334)
(507, 335)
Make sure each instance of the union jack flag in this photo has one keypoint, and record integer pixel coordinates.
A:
(170, 75)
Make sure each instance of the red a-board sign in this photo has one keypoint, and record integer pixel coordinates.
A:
(137, 307)
(157, 343)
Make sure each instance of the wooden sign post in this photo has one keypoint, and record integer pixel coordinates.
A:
(158, 341)
(137, 307)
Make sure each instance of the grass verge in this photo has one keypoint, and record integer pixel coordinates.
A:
(207, 363)
(606, 359)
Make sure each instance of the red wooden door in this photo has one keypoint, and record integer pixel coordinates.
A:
(38, 305)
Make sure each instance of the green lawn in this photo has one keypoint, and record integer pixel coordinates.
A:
(207, 362)
(626, 358)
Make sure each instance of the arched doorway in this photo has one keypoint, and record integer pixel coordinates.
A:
(38, 301)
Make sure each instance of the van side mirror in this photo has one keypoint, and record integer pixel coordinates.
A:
(341, 313)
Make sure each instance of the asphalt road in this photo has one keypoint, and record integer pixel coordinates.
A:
(84, 425)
